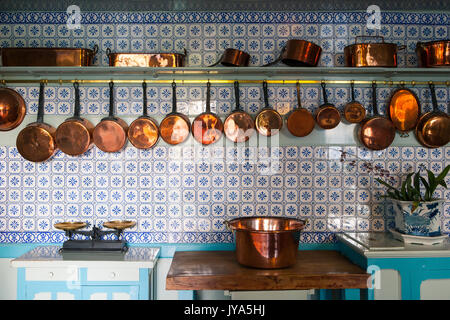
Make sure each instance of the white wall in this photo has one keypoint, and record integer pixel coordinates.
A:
(8, 280)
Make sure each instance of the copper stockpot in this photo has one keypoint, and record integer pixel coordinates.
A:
(207, 127)
(376, 132)
(354, 111)
(175, 127)
(433, 128)
(36, 142)
(233, 58)
(74, 135)
(141, 59)
(268, 122)
(143, 132)
(300, 121)
(299, 53)
(433, 53)
(327, 115)
(12, 109)
(239, 125)
(110, 134)
(266, 242)
(404, 109)
(380, 54)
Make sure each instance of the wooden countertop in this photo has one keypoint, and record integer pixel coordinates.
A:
(219, 270)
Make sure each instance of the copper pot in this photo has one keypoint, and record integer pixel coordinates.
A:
(266, 242)
(354, 111)
(207, 127)
(433, 53)
(327, 115)
(371, 54)
(110, 134)
(239, 125)
(299, 53)
(142, 59)
(36, 142)
(300, 121)
(376, 132)
(268, 122)
(143, 132)
(175, 127)
(433, 128)
(233, 58)
(74, 135)
(404, 109)
(12, 109)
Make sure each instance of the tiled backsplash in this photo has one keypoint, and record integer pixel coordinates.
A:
(183, 194)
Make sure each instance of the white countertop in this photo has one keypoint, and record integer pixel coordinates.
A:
(384, 245)
(50, 256)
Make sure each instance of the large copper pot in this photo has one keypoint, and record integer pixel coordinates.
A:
(266, 242)
(12, 109)
(433, 53)
(299, 53)
(142, 59)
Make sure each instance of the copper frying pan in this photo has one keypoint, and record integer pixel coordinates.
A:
(143, 132)
(354, 111)
(300, 121)
(110, 134)
(207, 127)
(74, 135)
(239, 125)
(36, 142)
(377, 132)
(175, 127)
(12, 109)
(327, 115)
(433, 128)
(268, 121)
(404, 110)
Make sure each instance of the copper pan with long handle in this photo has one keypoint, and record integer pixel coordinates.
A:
(268, 121)
(327, 115)
(354, 111)
(300, 121)
(12, 109)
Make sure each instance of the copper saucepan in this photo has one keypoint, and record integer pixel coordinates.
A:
(239, 125)
(354, 111)
(74, 135)
(207, 127)
(233, 58)
(299, 53)
(433, 128)
(377, 132)
(12, 109)
(404, 110)
(327, 115)
(36, 142)
(175, 127)
(434, 53)
(300, 121)
(110, 134)
(268, 121)
(143, 132)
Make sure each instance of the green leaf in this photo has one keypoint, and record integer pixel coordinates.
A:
(442, 183)
(385, 183)
(443, 174)
(417, 181)
(427, 189)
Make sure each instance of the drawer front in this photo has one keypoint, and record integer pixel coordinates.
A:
(112, 274)
(51, 274)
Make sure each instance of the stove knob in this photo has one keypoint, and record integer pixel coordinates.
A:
(51, 274)
(112, 275)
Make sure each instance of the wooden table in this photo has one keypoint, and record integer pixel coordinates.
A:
(219, 270)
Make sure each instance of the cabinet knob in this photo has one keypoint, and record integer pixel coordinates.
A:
(51, 274)
(112, 275)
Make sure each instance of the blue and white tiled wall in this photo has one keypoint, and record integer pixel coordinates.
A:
(183, 194)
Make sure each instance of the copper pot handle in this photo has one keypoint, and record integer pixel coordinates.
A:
(227, 225)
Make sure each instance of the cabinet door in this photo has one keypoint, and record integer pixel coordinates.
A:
(111, 292)
(52, 291)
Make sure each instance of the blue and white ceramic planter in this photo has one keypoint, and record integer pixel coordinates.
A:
(424, 220)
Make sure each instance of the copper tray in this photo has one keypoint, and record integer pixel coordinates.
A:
(119, 224)
(70, 225)
(141, 59)
(53, 57)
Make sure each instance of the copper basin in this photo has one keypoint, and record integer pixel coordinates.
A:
(266, 242)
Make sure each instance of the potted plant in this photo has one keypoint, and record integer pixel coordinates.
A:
(417, 213)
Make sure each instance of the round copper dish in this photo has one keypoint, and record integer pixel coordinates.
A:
(110, 134)
(119, 224)
(36, 142)
(12, 109)
(175, 127)
(404, 109)
(354, 111)
(300, 121)
(69, 225)
(433, 53)
(143, 132)
(233, 58)
(327, 115)
(266, 242)
(74, 135)
(268, 122)
(239, 125)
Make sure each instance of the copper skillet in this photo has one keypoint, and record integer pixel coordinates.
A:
(175, 127)
(12, 109)
(354, 111)
(404, 110)
(433, 128)
(377, 132)
(300, 121)
(327, 115)
(207, 127)
(110, 134)
(143, 132)
(239, 125)
(36, 142)
(268, 121)
(74, 135)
